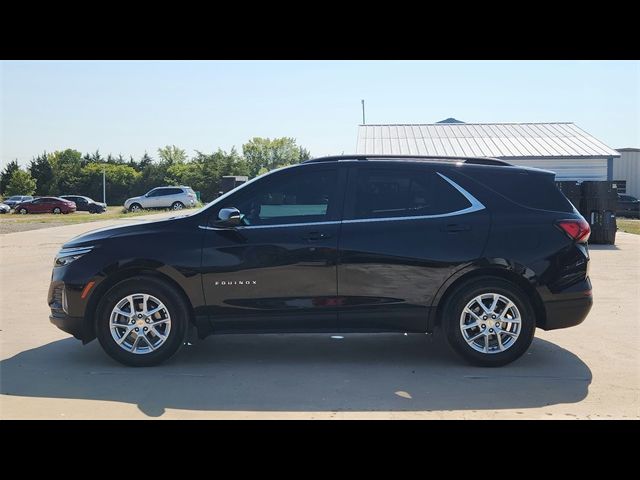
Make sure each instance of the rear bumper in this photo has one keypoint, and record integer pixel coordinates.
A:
(567, 309)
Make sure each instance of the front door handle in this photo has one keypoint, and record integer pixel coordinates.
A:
(315, 236)
(456, 227)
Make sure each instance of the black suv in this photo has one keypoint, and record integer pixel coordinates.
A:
(628, 206)
(483, 249)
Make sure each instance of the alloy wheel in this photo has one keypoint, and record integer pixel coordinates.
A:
(490, 323)
(140, 323)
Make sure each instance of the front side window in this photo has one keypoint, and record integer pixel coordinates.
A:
(155, 193)
(290, 198)
(397, 192)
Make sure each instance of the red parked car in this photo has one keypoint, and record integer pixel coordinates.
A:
(45, 205)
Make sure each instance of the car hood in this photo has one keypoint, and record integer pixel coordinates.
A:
(97, 236)
(132, 199)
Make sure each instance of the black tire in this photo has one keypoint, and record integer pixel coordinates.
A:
(135, 207)
(23, 211)
(177, 206)
(465, 293)
(56, 210)
(175, 304)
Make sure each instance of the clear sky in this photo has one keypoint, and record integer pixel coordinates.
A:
(130, 107)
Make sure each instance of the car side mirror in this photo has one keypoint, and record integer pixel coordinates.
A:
(229, 217)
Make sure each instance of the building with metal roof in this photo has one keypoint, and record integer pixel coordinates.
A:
(562, 147)
(627, 168)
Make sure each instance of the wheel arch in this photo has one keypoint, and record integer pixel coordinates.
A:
(116, 277)
(523, 280)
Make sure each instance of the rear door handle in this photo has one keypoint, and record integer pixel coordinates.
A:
(456, 227)
(315, 236)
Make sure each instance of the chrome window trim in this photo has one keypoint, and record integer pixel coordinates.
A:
(475, 206)
(252, 227)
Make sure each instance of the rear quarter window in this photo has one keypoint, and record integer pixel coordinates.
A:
(529, 189)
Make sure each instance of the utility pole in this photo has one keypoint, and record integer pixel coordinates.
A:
(363, 121)
(104, 186)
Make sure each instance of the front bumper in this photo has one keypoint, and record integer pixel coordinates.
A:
(67, 311)
(568, 309)
(72, 325)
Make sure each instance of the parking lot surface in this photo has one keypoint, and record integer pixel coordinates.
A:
(589, 371)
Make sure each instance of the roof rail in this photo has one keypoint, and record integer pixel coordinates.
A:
(416, 158)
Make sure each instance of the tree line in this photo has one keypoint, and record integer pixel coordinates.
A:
(70, 172)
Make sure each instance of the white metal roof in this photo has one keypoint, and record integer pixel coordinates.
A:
(502, 140)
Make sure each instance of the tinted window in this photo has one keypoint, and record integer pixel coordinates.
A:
(396, 192)
(530, 189)
(155, 193)
(174, 191)
(290, 198)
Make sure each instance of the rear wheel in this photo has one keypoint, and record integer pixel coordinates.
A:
(489, 321)
(57, 210)
(23, 211)
(177, 206)
(142, 321)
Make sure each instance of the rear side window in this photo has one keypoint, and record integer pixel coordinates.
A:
(393, 192)
(530, 189)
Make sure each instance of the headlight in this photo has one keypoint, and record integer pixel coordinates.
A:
(68, 255)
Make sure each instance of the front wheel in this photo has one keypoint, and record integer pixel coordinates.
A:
(136, 207)
(177, 206)
(489, 322)
(142, 322)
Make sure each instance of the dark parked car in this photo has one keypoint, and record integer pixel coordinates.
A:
(86, 204)
(16, 199)
(4, 208)
(485, 250)
(628, 206)
(45, 205)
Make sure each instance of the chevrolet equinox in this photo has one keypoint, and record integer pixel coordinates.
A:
(483, 249)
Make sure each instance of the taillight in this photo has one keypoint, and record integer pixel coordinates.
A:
(578, 230)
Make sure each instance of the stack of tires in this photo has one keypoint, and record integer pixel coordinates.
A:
(572, 190)
(598, 206)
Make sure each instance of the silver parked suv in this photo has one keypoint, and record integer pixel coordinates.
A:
(175, 198)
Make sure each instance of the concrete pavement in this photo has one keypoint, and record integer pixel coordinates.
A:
(590, 371)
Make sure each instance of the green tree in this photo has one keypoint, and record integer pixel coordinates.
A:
(67, 171)
(210, 170)
(6, 174)
(172, 154)
(21, 183)
(264, 153)
(121, 179)
(40, 169)
(145, 160)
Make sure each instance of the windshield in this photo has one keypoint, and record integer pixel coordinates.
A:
(15, 197)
